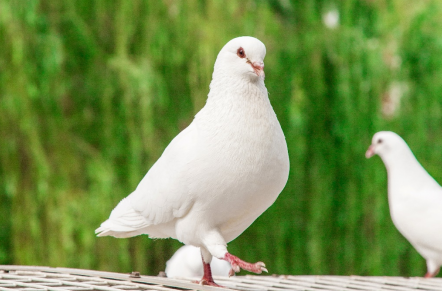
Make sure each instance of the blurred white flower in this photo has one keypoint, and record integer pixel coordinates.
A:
(331, 19)
(391, 100)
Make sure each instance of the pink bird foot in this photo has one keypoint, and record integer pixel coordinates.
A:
(431, 275)
(238, 264)
(207, 278)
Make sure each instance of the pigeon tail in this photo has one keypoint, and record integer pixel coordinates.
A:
(123, 222)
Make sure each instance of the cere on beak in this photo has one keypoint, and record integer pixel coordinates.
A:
(258, 67)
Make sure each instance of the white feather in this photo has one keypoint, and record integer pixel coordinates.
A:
(415, 198)
(186, 263)
(220, 173)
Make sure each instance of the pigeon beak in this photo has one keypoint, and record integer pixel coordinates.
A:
(370, 152)
(258, 67)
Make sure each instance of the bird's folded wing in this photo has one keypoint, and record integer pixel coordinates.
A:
(163, 194)
(420, 218)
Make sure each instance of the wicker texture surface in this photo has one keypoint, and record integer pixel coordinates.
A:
(62, 279)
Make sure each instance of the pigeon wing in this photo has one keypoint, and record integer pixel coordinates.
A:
(161, 196)
(422, 219)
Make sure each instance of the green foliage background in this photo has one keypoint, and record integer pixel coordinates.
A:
(91, 92)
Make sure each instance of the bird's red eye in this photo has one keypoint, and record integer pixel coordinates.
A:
(240, 52)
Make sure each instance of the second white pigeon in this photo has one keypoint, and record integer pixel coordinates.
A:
(220, 173)
(186, 263)
(414, 197)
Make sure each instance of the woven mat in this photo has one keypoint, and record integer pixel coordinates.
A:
(31, 278)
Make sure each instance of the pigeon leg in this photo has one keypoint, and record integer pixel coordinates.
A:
(238, 264)
(207, 278)
(431, 275)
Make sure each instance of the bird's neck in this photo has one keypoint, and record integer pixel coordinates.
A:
(401, 160)
(406, 175)
(239, 122)
(229, 95)
(239, 109)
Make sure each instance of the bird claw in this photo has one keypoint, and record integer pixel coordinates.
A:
(261, 267)
(234, 269)
(205, 282)
(238, 264)
(261, 264)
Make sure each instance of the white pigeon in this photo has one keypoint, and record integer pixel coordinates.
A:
(415, 198)
(220, 173)
(186, 263)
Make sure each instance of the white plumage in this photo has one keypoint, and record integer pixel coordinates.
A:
(415, 198)
(186, 263)
(221, 172)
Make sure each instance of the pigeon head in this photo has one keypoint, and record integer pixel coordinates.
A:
(242, 57)
(385, 143)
